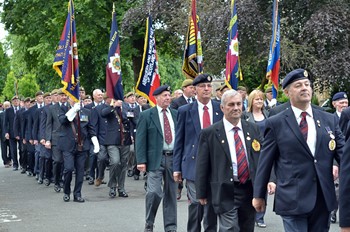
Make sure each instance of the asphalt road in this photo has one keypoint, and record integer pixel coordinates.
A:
(26, 206)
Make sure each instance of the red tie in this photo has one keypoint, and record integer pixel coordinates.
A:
(206, 117)
(303, 125)
(167, 131)
(242, 163)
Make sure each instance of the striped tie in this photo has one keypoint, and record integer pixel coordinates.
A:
(303, 125)
(242, 163)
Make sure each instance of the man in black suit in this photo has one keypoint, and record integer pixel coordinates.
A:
(6, 156)
(187, 96)
(228, 154)
(190, 123)
(10, 114)
(344, 123)
(74, 140)
(301, 144)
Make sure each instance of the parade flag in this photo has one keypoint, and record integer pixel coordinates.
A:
(233, 69)
(114, 85)
(66, 58)
(149, 79)
(273, 66)
(193, 57)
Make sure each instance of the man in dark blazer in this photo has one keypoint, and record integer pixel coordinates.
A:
(189, 126)
(74, 140)
(227, 157)
(187, 96)
(6, 155)
(154, 145)
(301, 144)
(52, 130)
(10, 114)
(344, 123)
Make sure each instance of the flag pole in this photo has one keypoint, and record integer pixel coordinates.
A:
(71, 38)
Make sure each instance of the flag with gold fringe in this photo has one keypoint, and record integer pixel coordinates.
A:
(193, 57)
(149, 78)
(66, 58)
(233, 69)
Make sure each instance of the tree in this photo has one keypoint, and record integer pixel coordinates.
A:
(5, 66)
(27, 86)
(10, 88)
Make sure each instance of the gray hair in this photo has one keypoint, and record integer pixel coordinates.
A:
(227, 94)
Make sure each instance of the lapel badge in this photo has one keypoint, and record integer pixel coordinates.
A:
(332, 144)
(318, 123)
(216, 113)
(256, 145)
(248, 138)
(222, 141)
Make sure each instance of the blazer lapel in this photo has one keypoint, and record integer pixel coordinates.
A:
(216, 113)
(318, 122)
(195, 117)
(222, 139)
(292, 123)
(247, 136)
(155, 119)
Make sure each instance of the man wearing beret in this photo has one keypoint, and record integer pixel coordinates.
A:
(187, 96)
(155, 136)
(301, 144)
(191, 120)
(339, 102)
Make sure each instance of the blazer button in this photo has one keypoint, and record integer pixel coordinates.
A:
(192, 157)
(315, 161)
(231, 179)
(231, 168)
(192, 145)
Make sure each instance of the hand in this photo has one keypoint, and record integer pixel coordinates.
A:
(258, 204)
(141, 167)
(76, 107)
(118, 103)
(47, 145)
(42, 142)
(177, 177)
(335, 172)
(203, 201)
(31, 141)
(273, 102)
(17, 138)
(24, 141)
(345, 229)
(96, 148)
(94, 141)
(7, 136)
(35, 142)
(271, 188)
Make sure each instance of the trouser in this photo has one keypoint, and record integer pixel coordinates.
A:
(198, 212)
(30, 157)
(74, 161)
(13, 152)
(57, 158)
(6, 156)
(161, 185)
(93, 172)
(36, 159)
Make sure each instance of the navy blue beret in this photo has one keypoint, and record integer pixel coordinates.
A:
(161, 89)
(295, 75)
(202, 78)
(339, 96)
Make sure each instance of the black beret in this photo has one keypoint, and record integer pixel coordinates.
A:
(295, 75)
(202, 78)
(161, 89)
(339, 96)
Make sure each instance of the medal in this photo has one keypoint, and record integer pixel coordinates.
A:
(331, 145)
(255, 145)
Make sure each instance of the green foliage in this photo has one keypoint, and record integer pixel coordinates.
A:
(27, 86)
(9, 89)
(5, 66)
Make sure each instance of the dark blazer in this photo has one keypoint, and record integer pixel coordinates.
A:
(37, 116)
(114, 132)
(66, 141)
(187, 137)
(18, 124)
(248, 116)
(296, 169)
(53, 124)
(42, 126)
(176, 103)
(9, 122)
(133, 120)
(344, 186)
(214, 173)
(149, 138)
(282, 107)
(99, 123)
(344, 123)
(2, 124)
(31, 119)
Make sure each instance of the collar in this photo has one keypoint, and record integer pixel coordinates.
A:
(297, 112)
(201, 105)
(229, 126)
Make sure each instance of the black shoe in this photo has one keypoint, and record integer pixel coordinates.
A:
(66, 198)
(91, 181)
(57, 188)
(148, 228)
(40, 180)
(46, 182)
(130, 173)
(112, 193)
(136, 177)
(23, 171)
(29, 173)
(79, 199)
(333, 217)
(122, 194)
(61, 184)
(145, 186)
(15, 169)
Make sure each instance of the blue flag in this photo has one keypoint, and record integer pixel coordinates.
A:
(66, 59)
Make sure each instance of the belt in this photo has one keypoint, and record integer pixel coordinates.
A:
(241, 184)
(167, 152)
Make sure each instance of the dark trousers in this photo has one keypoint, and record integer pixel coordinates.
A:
(57, 164)
(93, 172)
(6, 158)
(13, 152)
(30, 153)
(318, 220)
(74, 161)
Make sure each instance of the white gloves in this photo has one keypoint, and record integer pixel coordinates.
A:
(96, 144)
(73, 111)
(273, 102)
